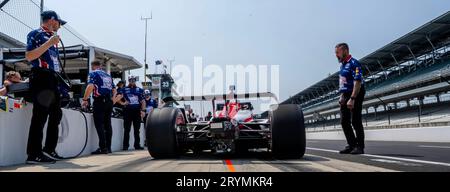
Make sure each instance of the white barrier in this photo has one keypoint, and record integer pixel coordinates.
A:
(14, 129)
(425, 134)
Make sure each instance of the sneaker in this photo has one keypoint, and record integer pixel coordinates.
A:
(357, 151)
(109, 151)
(347, 150)
(53, 155)
(100, 152)
(41, 159)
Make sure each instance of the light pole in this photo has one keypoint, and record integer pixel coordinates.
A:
(146, 35)
(42, 9)
(171, 62)
(42, 6)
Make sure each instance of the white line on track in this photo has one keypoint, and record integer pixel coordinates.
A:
(387, 157)
(431, 146)
(397, 162)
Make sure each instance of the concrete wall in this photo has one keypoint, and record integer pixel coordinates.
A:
(425, 134)
(14, 135)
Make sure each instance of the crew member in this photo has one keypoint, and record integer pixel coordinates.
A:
(134, 112)
(209, 116)
(12, 77)
(102, 88)
(150, 104)
(351, 101)
(42, 53)
(120, 85)
(117, 107)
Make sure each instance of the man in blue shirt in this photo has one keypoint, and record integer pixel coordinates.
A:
(150, 103)
(42, 53)
(351, 101)
(102, 88)
(12, 77)
(134, 112)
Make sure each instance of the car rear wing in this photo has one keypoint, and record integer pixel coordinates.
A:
(225, 97)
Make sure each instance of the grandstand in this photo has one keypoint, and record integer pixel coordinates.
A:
(407, 82)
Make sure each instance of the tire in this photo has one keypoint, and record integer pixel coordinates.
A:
(288, 132)
(161, 133)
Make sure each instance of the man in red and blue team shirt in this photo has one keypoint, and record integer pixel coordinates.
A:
(102, 87)
(351, 101)
(42, 53)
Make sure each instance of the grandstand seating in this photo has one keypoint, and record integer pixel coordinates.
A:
(433, 113)
(412, 70)
(420, 74)
(412, 78)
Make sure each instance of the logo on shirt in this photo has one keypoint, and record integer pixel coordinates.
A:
(348, 66)
(342, 82)
(55, 63)
(107, 83)
(134, 100)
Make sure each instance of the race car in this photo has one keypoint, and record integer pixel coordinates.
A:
(232, 130)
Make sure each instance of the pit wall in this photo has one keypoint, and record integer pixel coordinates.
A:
(14, 129)
(423, 134)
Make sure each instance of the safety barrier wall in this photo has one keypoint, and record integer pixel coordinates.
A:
(424, 134)
(14, 129)
(402, 126)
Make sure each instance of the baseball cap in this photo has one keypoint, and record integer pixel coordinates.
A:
(52, 15)
(132, 78)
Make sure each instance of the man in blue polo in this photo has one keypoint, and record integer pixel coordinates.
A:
(150, 104)
(102, 88)
(351, 101)
(134, 112)
(42, 53)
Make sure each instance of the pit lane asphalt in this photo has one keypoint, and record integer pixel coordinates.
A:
(321, 156)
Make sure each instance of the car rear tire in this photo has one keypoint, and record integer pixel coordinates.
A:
(161, 133)
(288, 132)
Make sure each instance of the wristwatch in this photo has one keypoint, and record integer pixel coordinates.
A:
(85, 99)
(353, 98)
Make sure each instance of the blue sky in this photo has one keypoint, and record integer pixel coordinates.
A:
(298, 35)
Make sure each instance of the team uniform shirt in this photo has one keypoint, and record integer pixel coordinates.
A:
(150, 105)
(134, 96)
(103, 83)
(351, 71)
(48, 60)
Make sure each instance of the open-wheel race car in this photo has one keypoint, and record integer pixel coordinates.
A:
(232, 130)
